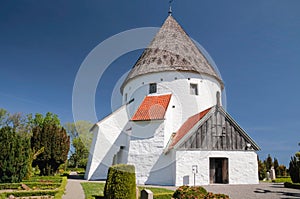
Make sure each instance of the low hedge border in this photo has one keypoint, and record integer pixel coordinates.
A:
(32, 185)
(292, 185)
(61, 189)
(58, 193)
(31, 193)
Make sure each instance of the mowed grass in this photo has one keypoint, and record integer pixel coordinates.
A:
(92, 189)
(282, 180)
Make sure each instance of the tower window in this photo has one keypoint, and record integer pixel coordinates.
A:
(194, 89)
(125, 97)
(152, 88)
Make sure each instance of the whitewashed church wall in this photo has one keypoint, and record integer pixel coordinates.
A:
(242, 166)
(106, 143)
(146, 153)
(177, 83)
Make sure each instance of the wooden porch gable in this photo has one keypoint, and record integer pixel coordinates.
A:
(217, 131)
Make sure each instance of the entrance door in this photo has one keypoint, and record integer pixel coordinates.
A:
(218, 170)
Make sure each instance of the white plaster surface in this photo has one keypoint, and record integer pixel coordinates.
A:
(108, 138)
(146, 153)
(177, 83)
(242, 166)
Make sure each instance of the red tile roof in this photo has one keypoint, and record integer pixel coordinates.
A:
(186, 126)
(152, 108)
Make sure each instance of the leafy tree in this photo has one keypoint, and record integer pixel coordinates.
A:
(81, 142)
(282, 171)
(48, 133)
(14, 155)
(80, 157)
(17, 121)
(262, 170)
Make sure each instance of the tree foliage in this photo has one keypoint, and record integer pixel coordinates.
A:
(265, 166)
(14, 155)
(81, 142)
(48, 133)
(295, 168)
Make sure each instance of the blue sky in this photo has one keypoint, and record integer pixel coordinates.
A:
(255, 45)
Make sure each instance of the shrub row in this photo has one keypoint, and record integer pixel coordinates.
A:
(31, 193)
(44, 179)
(32, 185)
(292, 185)
(61, 189)
(56, 193)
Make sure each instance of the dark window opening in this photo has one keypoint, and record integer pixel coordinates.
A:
(152, 88)
(194, 89)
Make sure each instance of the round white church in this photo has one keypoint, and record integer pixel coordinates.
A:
(171, 125)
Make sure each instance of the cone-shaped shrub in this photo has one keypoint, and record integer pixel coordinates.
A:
(120, 182)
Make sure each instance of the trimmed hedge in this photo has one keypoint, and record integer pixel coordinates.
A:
(120, 182)
(189, 192)
(292, 185)
(61, 189)
(31, 193)
(58, 193)
(32, 185)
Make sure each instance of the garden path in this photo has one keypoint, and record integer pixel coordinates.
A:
(74, 189)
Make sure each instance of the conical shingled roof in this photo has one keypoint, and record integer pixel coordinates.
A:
(171, 50)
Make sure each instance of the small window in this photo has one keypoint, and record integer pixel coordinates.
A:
(194, 89)
(125, 97)
(152, 88)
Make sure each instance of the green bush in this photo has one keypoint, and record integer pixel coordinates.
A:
(183, 192)
(295, 168)
(216, 196)
(120, 182)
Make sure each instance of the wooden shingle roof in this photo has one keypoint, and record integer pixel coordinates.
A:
(171, 50)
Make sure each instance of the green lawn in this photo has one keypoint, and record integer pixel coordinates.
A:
(282, 180)
(92, 189)
(96, 189)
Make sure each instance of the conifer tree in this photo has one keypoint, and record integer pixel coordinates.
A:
(14, 155)
(48, 133)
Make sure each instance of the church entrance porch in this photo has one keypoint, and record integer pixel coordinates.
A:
(218, 170)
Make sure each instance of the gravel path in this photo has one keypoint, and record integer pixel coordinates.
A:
(260, 191)
(74, 189)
